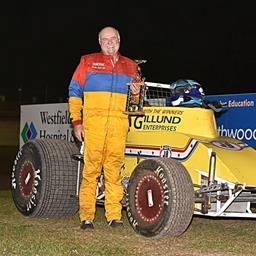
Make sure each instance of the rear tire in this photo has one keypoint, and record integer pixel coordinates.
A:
(44, 179)
(160, 198)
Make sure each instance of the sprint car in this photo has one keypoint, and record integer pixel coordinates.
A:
(176, 166)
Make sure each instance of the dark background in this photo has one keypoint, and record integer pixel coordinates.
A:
(212, 42)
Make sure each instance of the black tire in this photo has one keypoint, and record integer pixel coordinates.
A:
(44, 179)
(168, 212)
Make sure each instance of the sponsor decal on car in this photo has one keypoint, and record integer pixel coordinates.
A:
(156, 151)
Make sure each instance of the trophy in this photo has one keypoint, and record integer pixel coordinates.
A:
(134, 104)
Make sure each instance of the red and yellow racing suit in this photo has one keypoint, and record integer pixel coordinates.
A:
(99, 87)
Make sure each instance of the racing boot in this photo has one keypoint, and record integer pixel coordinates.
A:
(86, 224)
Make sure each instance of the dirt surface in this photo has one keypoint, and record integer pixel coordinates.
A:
(7, 156)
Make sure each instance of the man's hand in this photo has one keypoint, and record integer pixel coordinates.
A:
(79, 132)
(135, 88)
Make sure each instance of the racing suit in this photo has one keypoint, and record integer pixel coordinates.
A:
(99, 87)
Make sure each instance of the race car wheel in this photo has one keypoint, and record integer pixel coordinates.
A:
(160, 198)
(44, 178)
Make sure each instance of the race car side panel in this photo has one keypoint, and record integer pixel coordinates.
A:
(190, 137)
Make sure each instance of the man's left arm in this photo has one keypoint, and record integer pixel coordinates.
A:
(135, 86)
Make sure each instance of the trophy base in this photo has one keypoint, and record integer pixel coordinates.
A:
(134, 113)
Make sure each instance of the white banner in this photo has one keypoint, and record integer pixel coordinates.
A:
(45, 121)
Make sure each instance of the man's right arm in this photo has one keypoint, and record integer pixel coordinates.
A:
(76, 100)
(75, 108)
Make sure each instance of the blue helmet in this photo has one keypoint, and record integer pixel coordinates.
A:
(186, 92)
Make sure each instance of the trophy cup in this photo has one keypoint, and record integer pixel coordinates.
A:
(134, 104)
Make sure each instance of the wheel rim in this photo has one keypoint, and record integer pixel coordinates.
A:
(149, 198)
(27, 179)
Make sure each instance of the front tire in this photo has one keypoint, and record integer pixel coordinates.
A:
(44, 179)
(160, 198)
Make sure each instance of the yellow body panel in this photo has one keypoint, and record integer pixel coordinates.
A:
(189, 135)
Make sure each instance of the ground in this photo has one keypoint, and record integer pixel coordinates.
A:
(7, 156)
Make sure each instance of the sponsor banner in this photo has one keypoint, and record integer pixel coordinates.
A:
(45, 121)
(237, 119)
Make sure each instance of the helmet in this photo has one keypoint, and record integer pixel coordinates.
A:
(186, 92)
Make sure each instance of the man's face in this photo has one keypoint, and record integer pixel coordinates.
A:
(109, 41)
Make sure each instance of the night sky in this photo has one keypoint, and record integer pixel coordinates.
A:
(212, 42)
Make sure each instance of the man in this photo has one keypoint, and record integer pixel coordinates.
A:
(99, 88)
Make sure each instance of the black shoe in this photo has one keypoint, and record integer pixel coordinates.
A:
(115, 223)
(86, 224)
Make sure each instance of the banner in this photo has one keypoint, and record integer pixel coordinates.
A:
(238, 118)
(45, 121)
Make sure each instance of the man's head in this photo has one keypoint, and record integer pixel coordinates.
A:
(109, 40)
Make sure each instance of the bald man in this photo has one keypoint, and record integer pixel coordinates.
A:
(99, 88)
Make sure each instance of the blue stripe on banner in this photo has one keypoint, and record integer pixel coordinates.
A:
(107, 82)
(237, 120)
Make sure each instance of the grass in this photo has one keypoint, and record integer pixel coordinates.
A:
(7, 156)
(20, 235)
